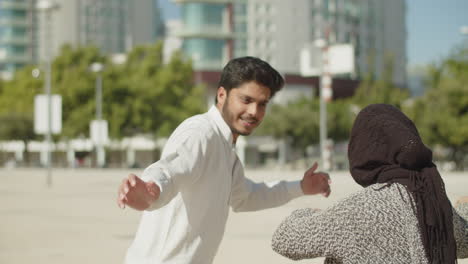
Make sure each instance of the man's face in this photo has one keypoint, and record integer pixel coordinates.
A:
(244, 107)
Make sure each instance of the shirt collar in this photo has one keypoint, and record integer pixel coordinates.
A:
(218, 119)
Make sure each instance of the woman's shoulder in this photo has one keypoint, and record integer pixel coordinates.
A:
(379, 195)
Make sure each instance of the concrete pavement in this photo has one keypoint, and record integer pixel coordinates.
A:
(77, 220)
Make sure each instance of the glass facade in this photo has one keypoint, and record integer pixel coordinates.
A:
(213, 32)
(12, 14)
(206, 53)
(197, 16)
(104, 25)
(240, 29)
(14, 39)
(201, 18)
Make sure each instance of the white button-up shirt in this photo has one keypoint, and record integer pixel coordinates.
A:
(200, 176)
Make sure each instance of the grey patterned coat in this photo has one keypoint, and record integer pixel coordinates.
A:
(374, 225)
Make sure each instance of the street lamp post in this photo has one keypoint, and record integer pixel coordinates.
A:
(97, 68)
(47, 7)
(311, 65)
(325, 97)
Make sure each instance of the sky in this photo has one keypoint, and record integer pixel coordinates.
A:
(433, 27)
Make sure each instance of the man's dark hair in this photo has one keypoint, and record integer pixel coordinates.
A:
(246, 69)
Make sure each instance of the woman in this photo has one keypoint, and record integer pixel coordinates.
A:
(402, 215)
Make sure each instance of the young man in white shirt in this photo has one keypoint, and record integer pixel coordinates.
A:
(186, 195)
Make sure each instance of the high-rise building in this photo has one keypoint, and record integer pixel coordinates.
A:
(114, 26)
(278, 30)
(15, 37)
(213, 31)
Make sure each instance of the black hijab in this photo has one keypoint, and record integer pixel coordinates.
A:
(385, 147)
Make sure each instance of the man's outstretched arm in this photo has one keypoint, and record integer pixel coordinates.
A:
(247, 195)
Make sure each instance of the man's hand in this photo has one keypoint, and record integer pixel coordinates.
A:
(136, 193)
(316, 182)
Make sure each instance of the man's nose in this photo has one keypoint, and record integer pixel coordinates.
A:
(252, 110)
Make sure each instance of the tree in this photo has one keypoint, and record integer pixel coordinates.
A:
(18, 94)
(143, 95)
(181, 97)
(164, 95)
(383, 90)
(340, 119)
(299, 121)
(441, 114)
(73, 80)
(17, 105)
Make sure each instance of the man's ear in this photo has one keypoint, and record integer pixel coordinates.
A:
(221, 95)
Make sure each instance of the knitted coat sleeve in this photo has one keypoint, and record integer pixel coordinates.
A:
(299, 237)
(375, 225)
(460, 228)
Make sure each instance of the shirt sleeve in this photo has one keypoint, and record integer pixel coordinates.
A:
(247, 195)
(178, 169)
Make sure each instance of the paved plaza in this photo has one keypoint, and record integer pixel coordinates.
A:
(77, 221)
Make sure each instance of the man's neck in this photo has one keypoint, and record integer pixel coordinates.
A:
(234, 135)
(234, 138)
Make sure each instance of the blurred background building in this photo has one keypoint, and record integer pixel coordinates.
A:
(215, 31)
(278, 30)
(114, 26)
(15, 36)
(212, 32)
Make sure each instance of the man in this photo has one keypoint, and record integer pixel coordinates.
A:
(186, 195)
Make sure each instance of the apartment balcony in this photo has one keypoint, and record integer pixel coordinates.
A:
(207, 32)
(208, 65)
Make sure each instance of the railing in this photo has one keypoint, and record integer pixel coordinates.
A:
(205, 31)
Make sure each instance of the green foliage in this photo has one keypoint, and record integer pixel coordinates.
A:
(18, 94)
(144, 95)
(371, 91)
(340, 119)
(169, 94)
(16, 126)
(73, 80)
(299, 121)
(383, 90)
(441, 115)
(181, 97)
(16, 105)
